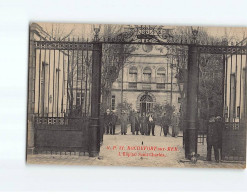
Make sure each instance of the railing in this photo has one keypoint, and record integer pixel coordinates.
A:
(51, 121)
(58, 134)
(201, 138)
(232, 126)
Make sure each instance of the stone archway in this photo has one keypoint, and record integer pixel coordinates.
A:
(145, 102)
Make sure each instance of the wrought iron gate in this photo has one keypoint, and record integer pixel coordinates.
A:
(60, 90)
(62, 80)
(66, 103)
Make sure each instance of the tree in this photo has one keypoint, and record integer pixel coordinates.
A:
(124, 106)
(160, 109)
(210, 71)
(114, 57)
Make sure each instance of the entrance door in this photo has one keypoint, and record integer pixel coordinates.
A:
(146, 104)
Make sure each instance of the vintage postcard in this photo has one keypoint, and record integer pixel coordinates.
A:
(137, 95)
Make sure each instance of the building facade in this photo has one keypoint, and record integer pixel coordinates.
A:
(148, 78)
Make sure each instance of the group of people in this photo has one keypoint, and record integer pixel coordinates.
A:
(110, 120)
(141, 123)
(144, 124)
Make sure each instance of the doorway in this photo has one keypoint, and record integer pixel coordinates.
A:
(146, 104)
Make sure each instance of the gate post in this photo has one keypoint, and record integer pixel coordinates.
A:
(31, 87)
(192, 107)
(94, 130)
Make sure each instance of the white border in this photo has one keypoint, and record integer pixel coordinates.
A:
(15, 16)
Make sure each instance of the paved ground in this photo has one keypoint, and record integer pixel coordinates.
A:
(136, 150)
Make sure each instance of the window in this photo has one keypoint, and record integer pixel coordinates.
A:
(161, 75)
(160, 85)
(147, 75)
(133, 74)
(133, 85)
(113, 102)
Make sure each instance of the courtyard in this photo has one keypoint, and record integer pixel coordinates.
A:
(135, 150)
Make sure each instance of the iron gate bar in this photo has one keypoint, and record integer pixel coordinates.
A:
(236, 82)
(58, 70)
(240, 87)
(63, 80)
(225, 85)
(48, 93)
(53, 98)
(77, 74)
(82, 100)
(230, 101)
(43, 87)
(86, 71)
(171, 78)
(72, 79)
(197, 117)
(67, 108)
(34, 78)
(39, 80)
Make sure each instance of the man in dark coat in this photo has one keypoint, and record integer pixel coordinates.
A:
(144, 124)
(212, 139)
(113, 123)
(133, 121)
(107, 120)
(165, 122)
(219, 126)
(124, 122)
(137, 124)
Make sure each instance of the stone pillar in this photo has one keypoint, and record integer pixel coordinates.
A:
(191, 111)
(139, 74)
(94, 130)
(31, 88)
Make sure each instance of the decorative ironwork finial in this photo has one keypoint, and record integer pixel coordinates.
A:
(194, 31)
(96, 28)
(148, 34)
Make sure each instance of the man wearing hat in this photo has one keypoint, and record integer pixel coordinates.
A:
(124, 123)
(113, 123)
(165, 122)
(133, 121)
(212, 139)
(107, 119)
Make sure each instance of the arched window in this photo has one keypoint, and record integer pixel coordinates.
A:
(133, 74)
(161, 75)
(147, 75)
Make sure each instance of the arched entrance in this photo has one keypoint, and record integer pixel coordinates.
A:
(146, 104)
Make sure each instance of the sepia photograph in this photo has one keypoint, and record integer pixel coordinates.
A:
(137, 95)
